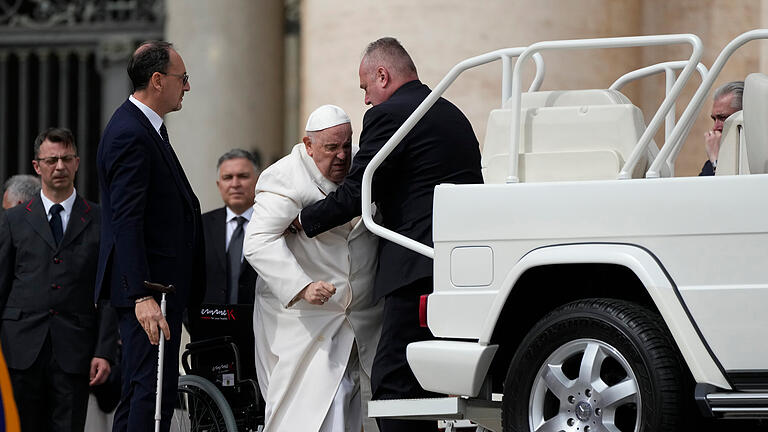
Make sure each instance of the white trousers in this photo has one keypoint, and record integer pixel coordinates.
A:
(97, 420)
(345, 413)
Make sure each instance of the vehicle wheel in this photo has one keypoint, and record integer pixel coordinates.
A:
(595, 365)
(201, 407)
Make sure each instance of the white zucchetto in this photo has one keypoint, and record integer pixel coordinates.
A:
(326, 116)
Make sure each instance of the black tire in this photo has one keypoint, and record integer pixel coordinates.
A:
(201, 407)
(631, 378)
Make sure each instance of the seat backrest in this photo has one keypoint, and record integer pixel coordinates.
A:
(731, 154)
(557, 166)
(561, 98)
(581, 141)
(756, 122)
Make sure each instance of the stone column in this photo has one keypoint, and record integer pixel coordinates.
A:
(233, 52)
(111, 61)
(292, 123)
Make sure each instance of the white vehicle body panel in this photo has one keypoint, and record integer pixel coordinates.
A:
(466, 364)
(709, 234)
(573, 163)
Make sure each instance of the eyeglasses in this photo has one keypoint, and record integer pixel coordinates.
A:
(54, 160)
(184, 77)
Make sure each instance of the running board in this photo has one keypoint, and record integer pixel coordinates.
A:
(483, 412)
(739, 405)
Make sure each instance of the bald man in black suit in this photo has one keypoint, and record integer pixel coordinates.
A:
(441, 148)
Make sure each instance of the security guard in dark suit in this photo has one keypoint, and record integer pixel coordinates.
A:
(54, 339)
(441, 148)
(229, 279)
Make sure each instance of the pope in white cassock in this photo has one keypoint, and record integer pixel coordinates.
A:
(316, 322)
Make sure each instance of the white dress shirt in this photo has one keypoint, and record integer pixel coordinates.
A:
(232, 225)
(153, 117)
(67, 204)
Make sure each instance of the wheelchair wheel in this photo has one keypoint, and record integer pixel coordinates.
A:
(201, 407)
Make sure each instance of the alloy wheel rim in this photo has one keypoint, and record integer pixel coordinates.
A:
(585, 385)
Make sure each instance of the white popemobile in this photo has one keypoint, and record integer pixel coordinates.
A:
(594, 291)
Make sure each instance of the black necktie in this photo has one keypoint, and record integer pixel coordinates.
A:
(56, 226)
(164, 134)
(233, 259)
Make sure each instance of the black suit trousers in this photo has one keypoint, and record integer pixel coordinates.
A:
(136, 411)
(391, 377)
(48, 398)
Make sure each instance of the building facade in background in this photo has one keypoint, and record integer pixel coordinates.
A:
(258, 66)
(62, 63)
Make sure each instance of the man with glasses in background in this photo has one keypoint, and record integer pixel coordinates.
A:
(55, 341)
(725, 102)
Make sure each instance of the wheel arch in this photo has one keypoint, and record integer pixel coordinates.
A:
(597, 268)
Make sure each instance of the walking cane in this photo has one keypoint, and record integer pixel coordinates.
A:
(160, 351)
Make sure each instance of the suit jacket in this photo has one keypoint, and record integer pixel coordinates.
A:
(46, 288)
(215, 232)
(151, 224)
(441, 148)
(707, 169)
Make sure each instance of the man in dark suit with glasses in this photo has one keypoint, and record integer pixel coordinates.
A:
(151, 231)
(54, 339)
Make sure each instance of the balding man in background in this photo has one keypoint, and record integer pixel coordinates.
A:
(19, 189)
(726, 102)
(441, 148)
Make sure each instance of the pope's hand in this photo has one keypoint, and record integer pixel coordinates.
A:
(318, 292)
(296, 225)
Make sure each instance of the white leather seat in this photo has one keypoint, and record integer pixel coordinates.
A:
(566, 135)
(561, 98)
(755, 105)
(731, 157)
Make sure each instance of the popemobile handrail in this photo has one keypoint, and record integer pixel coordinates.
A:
(620, 42)
(669, 69)
(503, 54)
(672, 146)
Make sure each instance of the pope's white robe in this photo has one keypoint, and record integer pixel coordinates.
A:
(302, 349)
